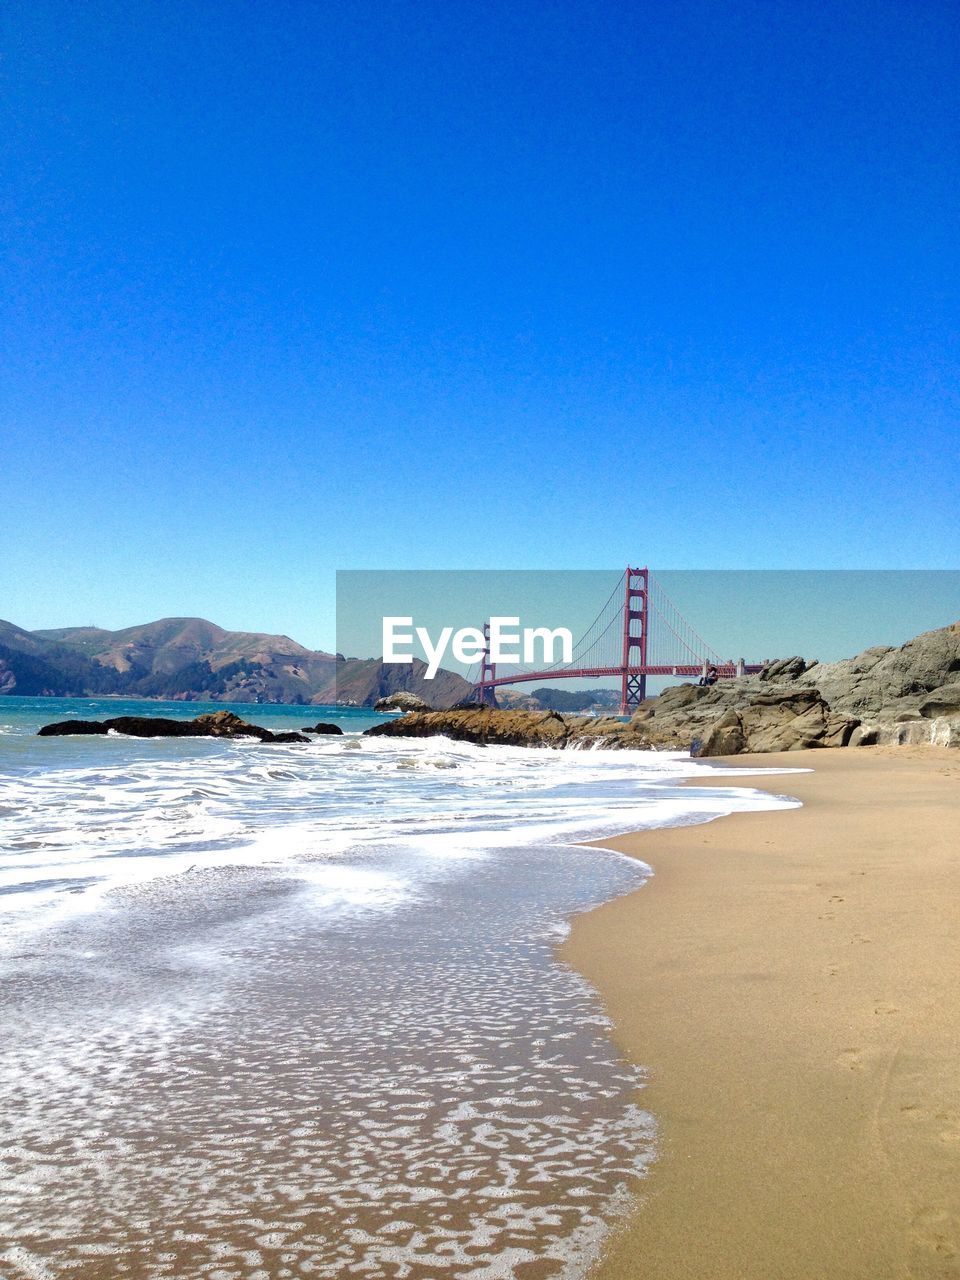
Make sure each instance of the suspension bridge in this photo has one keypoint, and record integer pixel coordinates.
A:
(639, 632)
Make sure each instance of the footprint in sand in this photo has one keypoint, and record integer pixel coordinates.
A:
(935, 1231)
(852, 1059)
(950, 1133)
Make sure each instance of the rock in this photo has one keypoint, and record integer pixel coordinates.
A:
(322, 728)
(218, 724)
(877, 683)
(865, 735)
(725, 738)
(678, 695)
(784, 669)
(401, 701)
(482, 725)
(65, 728)
(792, 720)
(133, 726)
(944, 701)
(943, 731)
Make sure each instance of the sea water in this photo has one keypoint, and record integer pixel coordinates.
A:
(290, 1010)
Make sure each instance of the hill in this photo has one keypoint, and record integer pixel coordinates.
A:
(191, 659)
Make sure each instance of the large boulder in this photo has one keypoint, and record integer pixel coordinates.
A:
(323, 727)
(880, 682)
(725, 738)
(785, 720)
(944, 701)
(783, 669)
(401, 701)
(942, 731)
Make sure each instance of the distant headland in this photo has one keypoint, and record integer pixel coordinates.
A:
(193, 660)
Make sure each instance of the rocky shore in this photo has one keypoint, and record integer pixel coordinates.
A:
(905, 695)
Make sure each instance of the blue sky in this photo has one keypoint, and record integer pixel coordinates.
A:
(750, 614)
(293, 288)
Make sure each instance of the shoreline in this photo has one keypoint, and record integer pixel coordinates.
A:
(789, 982)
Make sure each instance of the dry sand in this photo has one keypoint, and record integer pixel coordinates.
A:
(791, 980)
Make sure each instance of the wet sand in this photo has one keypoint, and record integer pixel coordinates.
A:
(791, 981)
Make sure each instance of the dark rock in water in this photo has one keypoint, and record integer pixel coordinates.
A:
(219, 724)
(67, 727)
(158, 727)
(322, 728)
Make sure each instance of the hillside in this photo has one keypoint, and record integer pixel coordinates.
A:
(363, 681)
(191, 659)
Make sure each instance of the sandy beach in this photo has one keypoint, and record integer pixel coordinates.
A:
(791, 981)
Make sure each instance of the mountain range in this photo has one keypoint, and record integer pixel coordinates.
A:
(190, 659)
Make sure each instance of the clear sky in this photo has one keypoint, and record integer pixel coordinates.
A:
(294, 287)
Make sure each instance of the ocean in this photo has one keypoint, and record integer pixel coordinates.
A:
(288, 1010)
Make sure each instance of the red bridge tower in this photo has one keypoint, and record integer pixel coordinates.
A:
(636, 612)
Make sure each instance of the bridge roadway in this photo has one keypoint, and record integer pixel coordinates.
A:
(725, 670)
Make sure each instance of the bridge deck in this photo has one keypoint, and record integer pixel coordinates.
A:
(726, 671)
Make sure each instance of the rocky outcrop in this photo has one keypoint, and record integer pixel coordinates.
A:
(322, 727)
(219, 724)
(884, 684)
(480, 724)
(779, 720)
(401, 701)
(726, 719)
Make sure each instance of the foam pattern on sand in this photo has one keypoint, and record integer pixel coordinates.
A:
(433, 1095)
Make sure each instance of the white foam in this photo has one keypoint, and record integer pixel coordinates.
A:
(71, 836)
